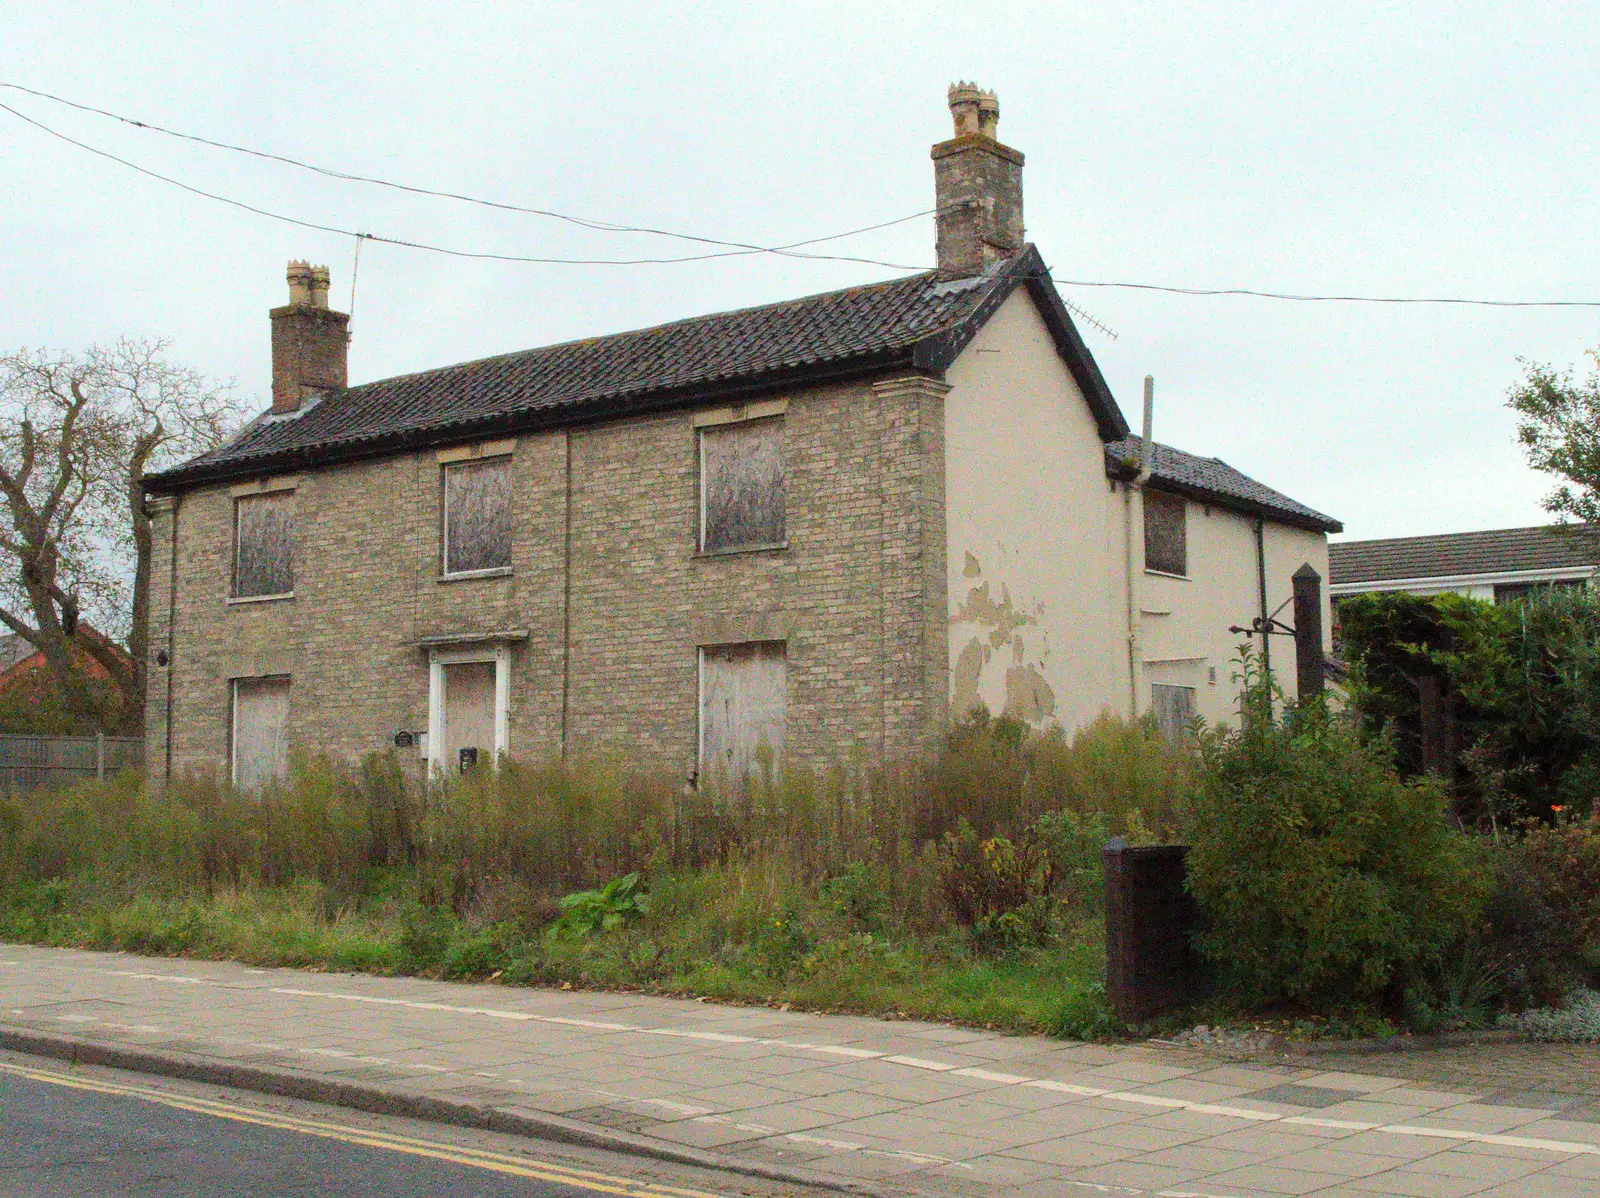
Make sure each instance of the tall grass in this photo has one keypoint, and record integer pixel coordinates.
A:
(552, 827)
(831, 890)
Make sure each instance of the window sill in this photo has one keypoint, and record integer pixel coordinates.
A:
(775, 547)
(239, 600)
(468, 575)
(1168, 574)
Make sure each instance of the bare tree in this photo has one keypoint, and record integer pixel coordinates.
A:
(77, 433)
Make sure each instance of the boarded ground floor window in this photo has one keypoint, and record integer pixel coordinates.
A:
(260, 727)
(1173, 709)
(743, 705)
(468, 715)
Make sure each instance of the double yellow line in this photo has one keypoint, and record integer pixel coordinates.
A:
(496, 1162)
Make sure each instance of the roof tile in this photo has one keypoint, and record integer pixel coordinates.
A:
(1214, 478)
(1450, 555)
(727, 346)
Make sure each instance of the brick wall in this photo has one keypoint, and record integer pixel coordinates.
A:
(858, 594)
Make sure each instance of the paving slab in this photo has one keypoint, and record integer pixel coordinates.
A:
(896, 1106)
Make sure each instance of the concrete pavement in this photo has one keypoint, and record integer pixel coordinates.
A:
(902, 1106)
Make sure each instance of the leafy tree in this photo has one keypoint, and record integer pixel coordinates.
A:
(1559, 427)
(1523, 687)
(77, 433)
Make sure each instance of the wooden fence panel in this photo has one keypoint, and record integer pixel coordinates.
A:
(30, 762)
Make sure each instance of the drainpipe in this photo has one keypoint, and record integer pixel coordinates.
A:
(566, 605)
(172, 629)
(1266, 618)
(1135, 568)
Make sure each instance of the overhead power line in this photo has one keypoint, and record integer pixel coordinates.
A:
(791, 250)
(736, 249)
(1333, 299)
(412, 189)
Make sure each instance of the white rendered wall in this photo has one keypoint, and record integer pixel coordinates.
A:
(1034, 534)
(1036, 551)
(1184, 638)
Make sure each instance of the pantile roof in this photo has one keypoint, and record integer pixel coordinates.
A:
(918, 322)
(1211, 480)
(1459, 554)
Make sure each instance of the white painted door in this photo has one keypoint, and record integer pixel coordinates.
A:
(743, 704)
(468, 713)
(260, 726)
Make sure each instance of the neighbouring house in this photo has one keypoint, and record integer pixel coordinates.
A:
(30, 700)
(815, 529)
(1498, 565)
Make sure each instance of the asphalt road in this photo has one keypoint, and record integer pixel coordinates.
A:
(97, 1132)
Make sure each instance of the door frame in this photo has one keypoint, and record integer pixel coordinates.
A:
(439, 656)
(233, 715)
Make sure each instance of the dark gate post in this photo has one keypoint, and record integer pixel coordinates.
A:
(1437, 755)
(1150, 919)
(1310, 664)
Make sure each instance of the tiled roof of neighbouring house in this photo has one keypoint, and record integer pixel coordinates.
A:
(14, 649)
(1213, 480)
(918, 323)
(1448, 555)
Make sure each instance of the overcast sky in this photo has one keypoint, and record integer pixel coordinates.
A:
(1439, 149)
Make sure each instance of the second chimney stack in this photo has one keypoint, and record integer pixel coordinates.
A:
(977, 186)
(310, 341)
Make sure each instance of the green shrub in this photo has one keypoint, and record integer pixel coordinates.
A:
(1322, 876)
(860, 898)
(1544, 915)
(1002, 890)
(1522, 683)
(1576, 1021)
(604, 910)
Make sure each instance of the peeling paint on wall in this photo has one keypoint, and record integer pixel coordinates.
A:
(965, 677)
(1028, 695)
(1002, 618)
(998, 625)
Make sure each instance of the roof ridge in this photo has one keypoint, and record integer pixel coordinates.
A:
(642, 329)
(1470, 532)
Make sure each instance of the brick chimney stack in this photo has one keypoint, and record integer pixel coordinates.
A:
(310, 341)
(978, 187)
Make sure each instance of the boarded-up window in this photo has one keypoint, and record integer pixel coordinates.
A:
(468, 715)
(1166, 546)
(741, 486)
(477, 516)
(743, 702)
(1173, 710)
(263, 545)
(260, 726)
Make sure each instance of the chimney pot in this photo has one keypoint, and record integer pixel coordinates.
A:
(310, 342)
(988, 113)
(977, 186)
(319, 286)
(299, 282)
(964, 108)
